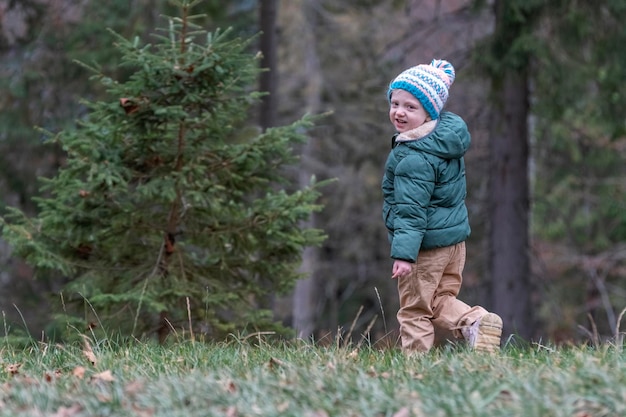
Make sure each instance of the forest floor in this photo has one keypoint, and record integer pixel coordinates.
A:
(258, 377)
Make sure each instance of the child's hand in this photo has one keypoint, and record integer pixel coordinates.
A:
(401, 268)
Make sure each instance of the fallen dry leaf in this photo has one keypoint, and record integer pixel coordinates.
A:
(403, 412)
(275, 363)
(68, 411)
(88, 352)
(79, 372)
(91, 357)
(231, 387)
(142, 412)
(13, 368)
(282, 407)
(372, 372)
(104, 398)
(51, 376)
(133, 388)
(317, 413)
(105, 376)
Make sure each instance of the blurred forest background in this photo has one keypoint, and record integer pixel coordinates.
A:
(541, 85)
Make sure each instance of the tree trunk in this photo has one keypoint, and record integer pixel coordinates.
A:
(304, 298)
(268, 80)
(509, 206)
(307, 292)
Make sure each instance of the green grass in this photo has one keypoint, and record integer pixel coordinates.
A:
(240, 378)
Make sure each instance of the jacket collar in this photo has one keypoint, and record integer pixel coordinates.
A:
(417, 133)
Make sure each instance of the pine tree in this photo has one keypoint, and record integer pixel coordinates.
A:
(171, 209)
(580, 99)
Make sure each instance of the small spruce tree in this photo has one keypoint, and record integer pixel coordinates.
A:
(171, 209)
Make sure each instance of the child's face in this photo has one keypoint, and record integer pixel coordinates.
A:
(405, 111)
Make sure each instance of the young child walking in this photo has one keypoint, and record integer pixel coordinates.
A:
(425, 214)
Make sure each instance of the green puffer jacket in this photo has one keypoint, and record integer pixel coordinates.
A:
(424, 187)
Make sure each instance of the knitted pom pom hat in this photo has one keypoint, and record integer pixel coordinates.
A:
(428, 83)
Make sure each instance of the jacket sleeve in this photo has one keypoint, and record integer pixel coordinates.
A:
(388, 196)
(414, 183)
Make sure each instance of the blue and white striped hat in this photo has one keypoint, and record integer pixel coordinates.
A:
(428, 83)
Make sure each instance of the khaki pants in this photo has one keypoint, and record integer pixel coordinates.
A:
(428, 298)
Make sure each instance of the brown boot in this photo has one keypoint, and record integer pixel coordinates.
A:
(484, 334)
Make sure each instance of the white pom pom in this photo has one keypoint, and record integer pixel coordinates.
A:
(445, 67)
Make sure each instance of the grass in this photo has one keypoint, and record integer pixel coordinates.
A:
(245, 377)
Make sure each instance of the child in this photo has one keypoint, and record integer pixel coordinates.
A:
(424, 211)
